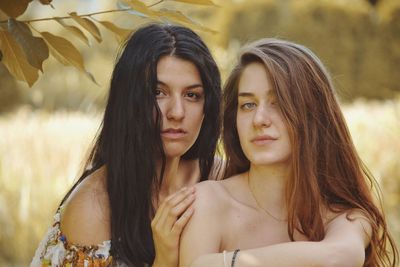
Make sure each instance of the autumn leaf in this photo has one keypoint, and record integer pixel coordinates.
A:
(141, 8)
(197, 2)
(65, 52)
(88, 25)
(45, 2)
(3, 16)
(179, 17)
(14, 8)
(15, 61)
(74, 30)
(36, 50)
(175, 16)
(121, 33)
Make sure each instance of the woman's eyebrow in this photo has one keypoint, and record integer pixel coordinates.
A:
(245, 94)
(197, 85)
(189, 87)
(161, 83)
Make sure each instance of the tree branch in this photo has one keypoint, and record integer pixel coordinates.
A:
(85, 15)
(68, 17)
(159, 2)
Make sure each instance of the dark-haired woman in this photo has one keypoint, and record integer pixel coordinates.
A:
(157, 139)
(294, 174)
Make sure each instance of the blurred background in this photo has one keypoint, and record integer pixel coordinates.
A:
(46, 130)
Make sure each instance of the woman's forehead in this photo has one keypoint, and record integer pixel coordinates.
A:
(175, 72)
(255, 80)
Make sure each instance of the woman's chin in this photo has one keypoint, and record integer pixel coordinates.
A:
(174, 153)
(174, 150)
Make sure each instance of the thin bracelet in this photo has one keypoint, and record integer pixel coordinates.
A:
(234, 257)
(224, 253)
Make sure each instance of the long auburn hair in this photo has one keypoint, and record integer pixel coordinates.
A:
(326, 170)
(129, 141)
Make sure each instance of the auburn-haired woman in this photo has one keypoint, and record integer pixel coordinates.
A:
(294, 174)
(157, 139)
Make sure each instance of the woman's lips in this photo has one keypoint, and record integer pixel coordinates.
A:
(172, 133)
(263, 140)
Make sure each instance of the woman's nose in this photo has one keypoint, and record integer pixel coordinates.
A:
(261, 117)
(176, 110)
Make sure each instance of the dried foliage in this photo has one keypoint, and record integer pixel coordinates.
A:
(358, 43)
(23, 52)
(15, 59)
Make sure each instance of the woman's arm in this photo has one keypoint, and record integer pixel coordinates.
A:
(202, 234)
(344, 245)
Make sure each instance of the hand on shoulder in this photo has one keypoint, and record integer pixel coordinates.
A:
(85, 214)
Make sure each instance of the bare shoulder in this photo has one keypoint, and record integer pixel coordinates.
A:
(85, 215)
(204, 226)
(352, 222)
(210, 201)
(205, 186)
(216, 196)
(210, 191)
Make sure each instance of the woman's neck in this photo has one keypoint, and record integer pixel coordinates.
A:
(178, 173)
(267, 184)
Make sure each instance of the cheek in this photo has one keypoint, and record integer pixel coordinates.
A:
(286, 137)
(195, 121)
(197, 115)
(288, 143)
(196, 125)
(241, 128)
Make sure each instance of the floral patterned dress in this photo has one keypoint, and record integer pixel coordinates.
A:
(55, 250)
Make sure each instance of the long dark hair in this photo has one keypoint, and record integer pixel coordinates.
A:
(326, 169)
(129, 142)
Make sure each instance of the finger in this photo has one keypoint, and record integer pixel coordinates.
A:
(163, 204)
(170, 215)
(182, 206)
(180, 191)
(182, 221)
(163, 212)
(177, 211)
(179, 196)
(171, 201)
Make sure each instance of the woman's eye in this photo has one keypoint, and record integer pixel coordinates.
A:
(248, 106)
(193, 95)
(158, 92)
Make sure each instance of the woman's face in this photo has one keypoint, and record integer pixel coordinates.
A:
(180, 97)
(262, 131)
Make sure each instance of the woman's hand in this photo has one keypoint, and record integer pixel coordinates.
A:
(167, 225)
